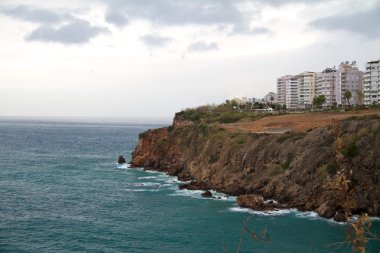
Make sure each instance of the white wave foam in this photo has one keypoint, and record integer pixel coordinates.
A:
(148, 184)
(188, 193)
(123, 166)
(271, 201)
(309, 215)
(152, 171)
(148, 177)
(198, 195)
(142, 190)
(262, 213)
(222, 196)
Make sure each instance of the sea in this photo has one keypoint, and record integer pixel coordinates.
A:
(61, 190)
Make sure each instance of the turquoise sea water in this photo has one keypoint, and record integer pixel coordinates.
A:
(61, 191)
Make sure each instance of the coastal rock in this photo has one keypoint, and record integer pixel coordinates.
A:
(326, 210)
(121, 160)
(253, 201)
(194, 185)
(207, 194)
(340, 217)
(297, 169)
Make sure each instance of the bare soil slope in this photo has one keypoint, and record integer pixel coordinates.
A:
(294, 122)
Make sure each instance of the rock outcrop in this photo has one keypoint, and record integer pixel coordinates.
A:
(299, 170)
(121, 160)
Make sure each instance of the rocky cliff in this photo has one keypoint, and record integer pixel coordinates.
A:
(299, 170)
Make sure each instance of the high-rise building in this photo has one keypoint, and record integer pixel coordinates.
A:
(281, 92)
(306, 89)
(287, 91)
(372, 83)
(348, 77)
(291, 90)
(325, 85)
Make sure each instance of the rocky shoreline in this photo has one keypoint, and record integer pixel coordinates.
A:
(298, 170)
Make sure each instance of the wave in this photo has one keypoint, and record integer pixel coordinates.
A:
(123, 166)
(263, 213)
(147, 177)
(148, 184)
(142, 190)
(198, 195)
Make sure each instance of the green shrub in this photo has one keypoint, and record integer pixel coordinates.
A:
(284, 138)
(286, 164)
(213, 158)
(239, 140)
(332, 168)
(350, 150)
(162, 140)
(230, 117)
(143, 134)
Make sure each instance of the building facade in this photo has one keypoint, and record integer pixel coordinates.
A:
(281, 91)
(306, 89)
(348, 77)
(325, 85)
(371, 87)
(291, 91)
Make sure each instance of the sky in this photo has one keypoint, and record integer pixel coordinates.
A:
(152, 58)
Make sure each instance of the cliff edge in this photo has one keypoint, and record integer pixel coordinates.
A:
(289, 170)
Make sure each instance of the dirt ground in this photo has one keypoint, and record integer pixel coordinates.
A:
(294, 122)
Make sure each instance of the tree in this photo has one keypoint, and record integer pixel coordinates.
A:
(360, 95)
(347, 96)
(319, 100)
(234, 103)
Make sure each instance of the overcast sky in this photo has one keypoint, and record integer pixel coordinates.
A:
(141, 58)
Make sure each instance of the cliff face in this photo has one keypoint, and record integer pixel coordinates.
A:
(296, 169)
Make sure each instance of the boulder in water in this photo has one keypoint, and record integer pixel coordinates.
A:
(121, 160)
(207, 194)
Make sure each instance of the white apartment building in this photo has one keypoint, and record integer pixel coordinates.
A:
(325, 85)
(281, 92)
(372, 83)
(306, 89)
(348, 77)
(291, 88)
(287, 91)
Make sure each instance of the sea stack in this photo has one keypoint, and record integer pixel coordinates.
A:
(121, 160)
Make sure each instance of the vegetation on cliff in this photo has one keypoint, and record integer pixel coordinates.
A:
(227, 112)
(295, 169)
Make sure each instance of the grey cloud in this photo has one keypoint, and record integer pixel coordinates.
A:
(245, 29)
(171, 12)
(31, 14)
(364, 23)
(116, 17)
(282, 2)
(155, 40)
(202, 46)
(222, 14)
(76, 32)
